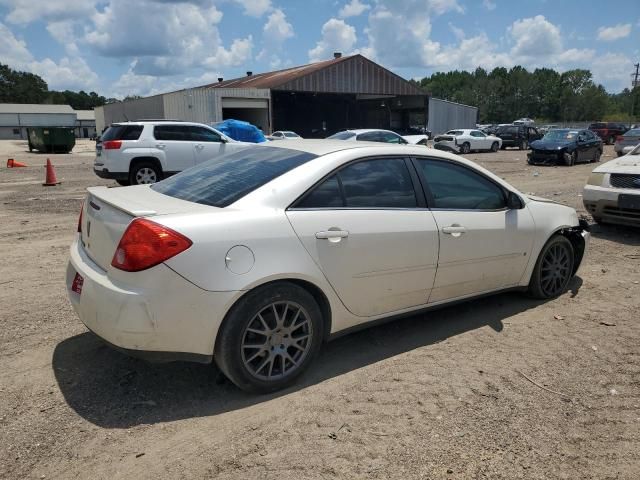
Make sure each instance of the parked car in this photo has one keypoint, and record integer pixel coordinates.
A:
(524, 121)
(416, 135)
(257, 257)
(608, 131)
(466, 140)
(284, 135)
(566, 147)
(369, 135)
(517, 135)
(612, 193)
(546, 128)
(627, 141)
(133, 153)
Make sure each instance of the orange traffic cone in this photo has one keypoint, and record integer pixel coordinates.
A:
(50, 179)
(11, 163)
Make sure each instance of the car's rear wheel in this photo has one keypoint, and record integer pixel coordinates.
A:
(494, 147)
(270, 337)
(465, 147)
(144, 173)
(553, 270)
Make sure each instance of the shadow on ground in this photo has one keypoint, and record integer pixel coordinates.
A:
(617, 233)
(112, 390)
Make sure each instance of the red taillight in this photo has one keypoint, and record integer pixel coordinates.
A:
(80, 219)
(112, 144)
(145, 244)
(619, 138)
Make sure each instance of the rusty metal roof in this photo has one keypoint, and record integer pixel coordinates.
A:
(347, 74)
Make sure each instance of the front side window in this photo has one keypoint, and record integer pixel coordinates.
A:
(201, 134)
(457, 187)
(369, 137)
(390, 137)
(376, 183)
(476, 133)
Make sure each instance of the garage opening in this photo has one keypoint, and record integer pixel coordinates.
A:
(254, 111)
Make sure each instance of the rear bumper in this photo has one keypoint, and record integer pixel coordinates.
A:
(602, 203)
(105, 173)
(163, 317)
(447, 147)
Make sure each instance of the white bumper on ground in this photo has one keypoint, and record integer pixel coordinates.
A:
(162, 317)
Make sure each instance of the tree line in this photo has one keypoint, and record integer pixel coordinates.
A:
(503, 95)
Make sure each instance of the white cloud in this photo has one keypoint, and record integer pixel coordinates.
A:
(535, 37)
(68, 73)
(337, 36)
(353, 9)
(27, 11)
(130, 83)
(64, 33)
(489, 5)
(255, 8)
(613, 70)
(457, 32)
(609, 34)
(274, 33)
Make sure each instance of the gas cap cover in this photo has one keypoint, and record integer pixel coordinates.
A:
(239, 259)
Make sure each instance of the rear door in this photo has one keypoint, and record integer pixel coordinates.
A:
(484, 246)
(367, 228)
(176, 143)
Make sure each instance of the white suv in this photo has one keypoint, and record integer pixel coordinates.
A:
(145, 152)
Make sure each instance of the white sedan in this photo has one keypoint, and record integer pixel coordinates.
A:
(465, 140)
(284, 135)
(612, 193)
(379, 135)
(256, 258)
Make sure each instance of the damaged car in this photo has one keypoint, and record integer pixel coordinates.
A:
(565, 147)
(464, 141)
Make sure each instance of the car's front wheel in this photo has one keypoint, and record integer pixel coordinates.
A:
(270, 337)
(494, 147)
(465, 147)
(553, 270)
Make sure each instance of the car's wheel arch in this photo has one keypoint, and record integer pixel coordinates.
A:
(143, 159)
(573, 234)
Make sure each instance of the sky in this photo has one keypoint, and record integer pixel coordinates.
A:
(143, 47)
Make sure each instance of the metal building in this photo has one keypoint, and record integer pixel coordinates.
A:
(15, 118)
(445, 115)
(315, 100)
(85, 123)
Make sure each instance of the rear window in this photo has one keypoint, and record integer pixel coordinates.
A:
(122, 132)
(228, 178)
(342, 136)
(509, 129)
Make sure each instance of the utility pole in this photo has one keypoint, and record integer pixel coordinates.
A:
(635, 82)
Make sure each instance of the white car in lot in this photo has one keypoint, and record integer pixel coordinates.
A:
(467, 140)
(256, 258)
(612, 193)
(134, 153)
(379, 135)
(284, 135)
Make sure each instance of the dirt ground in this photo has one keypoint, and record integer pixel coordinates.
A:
(444, 395)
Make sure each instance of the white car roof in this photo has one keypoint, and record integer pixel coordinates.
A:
(358, 131)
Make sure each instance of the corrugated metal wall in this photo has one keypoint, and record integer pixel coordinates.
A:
(193, 105)
(355, 75)
(444, 115)
(99, 111)
(38, 119)
(150, 107)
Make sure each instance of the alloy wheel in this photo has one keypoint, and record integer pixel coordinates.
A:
(276, 340)
(146, 175)
(556, 270)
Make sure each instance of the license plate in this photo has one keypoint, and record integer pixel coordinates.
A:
(76, 286)
(629, 201)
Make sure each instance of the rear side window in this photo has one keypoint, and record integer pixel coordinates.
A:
(458, 188)
(228, 178)
(172, 132)
(342, 136)
(122, 132)
(377, 183)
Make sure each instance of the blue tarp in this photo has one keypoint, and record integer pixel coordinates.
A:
(242, 131)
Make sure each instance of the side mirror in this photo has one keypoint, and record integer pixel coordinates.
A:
(514, 202)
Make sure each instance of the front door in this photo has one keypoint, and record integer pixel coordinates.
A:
(484, 246)
(367, 230)
(207, 144)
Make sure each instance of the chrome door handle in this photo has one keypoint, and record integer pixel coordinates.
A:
(199, 146)
(454, 230)
(332, 234)
(161, 146)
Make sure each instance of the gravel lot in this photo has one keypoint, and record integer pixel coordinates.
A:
(444, 395)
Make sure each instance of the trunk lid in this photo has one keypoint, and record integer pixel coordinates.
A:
(108, 211)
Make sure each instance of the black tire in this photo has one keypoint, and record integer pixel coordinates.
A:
(465, 148)
(144, 173)
(550, 277)
(494, 147)
(596, 157)
(243, 320)
(124, 183)
(572, 160)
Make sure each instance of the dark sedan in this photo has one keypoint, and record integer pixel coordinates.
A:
(566, 147)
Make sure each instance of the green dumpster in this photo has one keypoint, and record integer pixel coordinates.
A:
(51, 139)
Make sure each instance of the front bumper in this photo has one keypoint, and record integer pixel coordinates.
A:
(162, 317)
(542, 157)
(602, 204)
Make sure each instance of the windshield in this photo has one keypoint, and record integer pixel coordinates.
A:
(559, 135)
(228, 178)
(342, 136)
